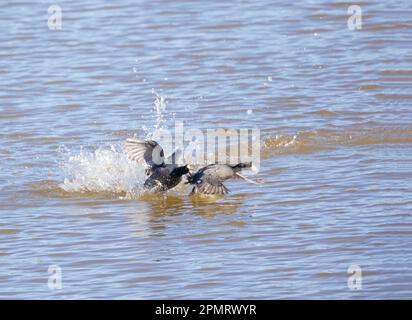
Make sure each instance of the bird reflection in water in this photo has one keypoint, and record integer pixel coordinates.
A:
(173, 205)
(161, 210)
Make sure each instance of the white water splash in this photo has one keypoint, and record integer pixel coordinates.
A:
(107, 169)
(101, 170)
(160, 104)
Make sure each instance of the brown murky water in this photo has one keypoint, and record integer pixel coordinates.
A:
(333, 106)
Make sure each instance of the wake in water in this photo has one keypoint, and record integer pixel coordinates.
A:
(327, 139)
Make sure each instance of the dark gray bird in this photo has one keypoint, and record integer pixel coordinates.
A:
(209, 179)
(149, 153)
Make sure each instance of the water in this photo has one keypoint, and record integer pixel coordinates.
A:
(333, 106)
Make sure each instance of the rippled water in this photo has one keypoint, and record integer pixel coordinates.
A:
(333, 106)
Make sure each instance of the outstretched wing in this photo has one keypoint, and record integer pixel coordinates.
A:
(210, 183)
(146, 152)
(206, 188)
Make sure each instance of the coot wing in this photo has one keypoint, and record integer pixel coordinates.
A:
(146, 152)
(209, 181)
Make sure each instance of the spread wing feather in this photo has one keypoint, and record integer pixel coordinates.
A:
(146, 152)
(204, 187)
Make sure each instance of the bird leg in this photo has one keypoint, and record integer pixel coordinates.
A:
(247, 179)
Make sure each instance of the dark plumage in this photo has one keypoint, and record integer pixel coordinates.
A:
(149, 153)
(209, 179)
(165, 178)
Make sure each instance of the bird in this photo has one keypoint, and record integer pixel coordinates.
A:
(209, 179)
(161, 176)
